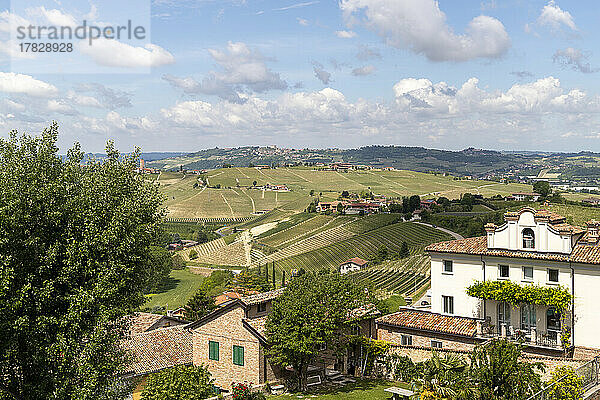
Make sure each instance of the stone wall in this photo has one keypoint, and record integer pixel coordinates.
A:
(423, 339)
(228, 331)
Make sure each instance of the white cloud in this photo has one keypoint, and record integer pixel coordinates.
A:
(554, 17)
(297, 5)
(302, 21)
(242, 69)
(345, 34)
(421, 26)
(25, 84)
(83, 100)
(574, 59)
(9, 21)
(320, 73)
(112, 53)
(52, 16)
(362, 71)
(60, 107)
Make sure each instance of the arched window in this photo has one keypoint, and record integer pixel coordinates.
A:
(528, 239)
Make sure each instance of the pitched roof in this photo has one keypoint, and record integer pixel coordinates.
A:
(262, 297)
(158, 349)
(356, 260)
(258, 325)
(428, 321)
(141, 322)
(366, 311)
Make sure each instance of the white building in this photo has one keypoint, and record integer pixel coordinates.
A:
(526, 196)
(353, 264)
(531, 247)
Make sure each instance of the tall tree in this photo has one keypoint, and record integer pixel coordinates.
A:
(199, 305)
(542, 187)
(310, 313)
(74, 246)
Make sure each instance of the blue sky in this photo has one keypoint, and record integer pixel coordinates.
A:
(513, 75)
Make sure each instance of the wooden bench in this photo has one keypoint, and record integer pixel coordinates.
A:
(400, 393)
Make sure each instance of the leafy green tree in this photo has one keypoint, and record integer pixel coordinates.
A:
(414, 203)
(199, 305)
(251, 279)
(542, 187)
(75, 245)
(162, 261)
(193, 254)
(404, 250)
(310, 313)
(340, 208)
(565, 384)
(183, 382)
(345, 194)
(500, 373)
(467, 201)
(254, 183)
(178, 262)
(446, 378)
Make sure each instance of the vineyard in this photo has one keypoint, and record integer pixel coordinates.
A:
(364, 246)
(392, 280)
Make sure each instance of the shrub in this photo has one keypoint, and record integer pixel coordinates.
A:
(184, 382)
(243, 391)
(565, 384)
(178, 262)
(193, 254)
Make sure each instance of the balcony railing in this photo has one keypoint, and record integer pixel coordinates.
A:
(548, 339)
(589, 373)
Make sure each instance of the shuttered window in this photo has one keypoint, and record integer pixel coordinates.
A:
(213, 350)
(238, 355)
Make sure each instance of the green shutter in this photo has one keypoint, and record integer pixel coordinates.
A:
(238, 355)
(213, 350)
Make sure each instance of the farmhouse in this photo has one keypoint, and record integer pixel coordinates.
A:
(324, 206)
(362, 208)
(533, 250)
(525, 196)
(353, 264)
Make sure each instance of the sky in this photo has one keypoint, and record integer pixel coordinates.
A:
(447, 74)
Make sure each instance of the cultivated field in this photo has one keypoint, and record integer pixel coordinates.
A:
(235, 199)
(176, 291)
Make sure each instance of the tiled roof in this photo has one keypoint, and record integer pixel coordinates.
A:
(368, 310)
(262, 297)
(141, 322)
(258, 324)
(586, 254)
(357, 261)
(425, 320)
(158, 349)
(225, 297)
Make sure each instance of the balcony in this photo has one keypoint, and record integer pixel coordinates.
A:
(550, 339)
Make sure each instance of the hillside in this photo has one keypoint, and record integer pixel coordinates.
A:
(236, 197)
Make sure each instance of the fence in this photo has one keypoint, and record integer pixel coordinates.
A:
(589, 373)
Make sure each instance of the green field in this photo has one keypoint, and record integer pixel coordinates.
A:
(176, 291)
(576, 215)
(236, 199)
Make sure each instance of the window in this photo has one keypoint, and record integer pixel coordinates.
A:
(528, 273)
(406, 340)
(262, 307)
(503, 271)
(213, 350)
(448, 303)
(238, 355)
(503, 315)
(552, 275)
(528, 319)
(436, 344)
(552, 319)
(528, 239)
(448, 266)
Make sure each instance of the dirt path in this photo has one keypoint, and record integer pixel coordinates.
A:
(454, 234)
(251, 199)
(226, 202)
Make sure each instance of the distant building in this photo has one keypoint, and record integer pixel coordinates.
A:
(364, 208)
(353, 264)
(594, 201)
(526, 196)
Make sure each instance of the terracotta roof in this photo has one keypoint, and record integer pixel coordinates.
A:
(141, 322)
(425, 320)
(158, 349)
(262, 297)
(356, 260)
(586, 254)
(227, 296)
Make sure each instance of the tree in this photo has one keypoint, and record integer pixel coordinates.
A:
(254, 183)
(309, 314)
(542, 187)
(340, 208)
(178, 262)
(404, 251)
(345, 194)
(75, 244)
(183, 382)
(500, 373)
(414, 203)
(565, 384)
(199, 305)
(162, 261)
(467, 201)
(252, 280)
(446, 378)
(193, 254)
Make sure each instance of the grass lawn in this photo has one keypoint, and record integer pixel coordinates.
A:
(176, 290)
(361, 390)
